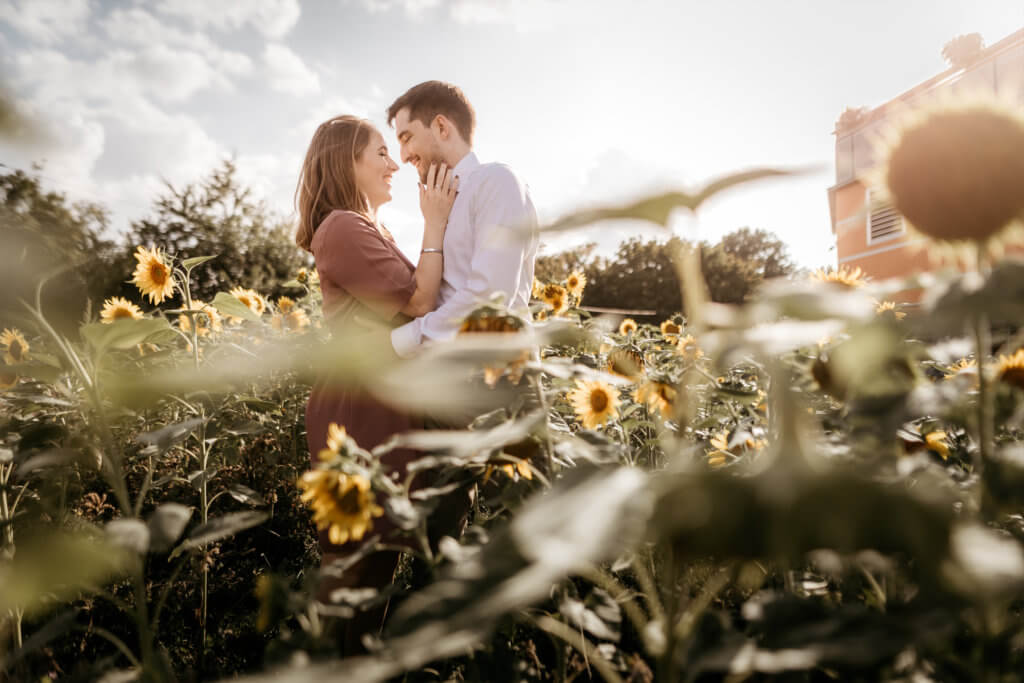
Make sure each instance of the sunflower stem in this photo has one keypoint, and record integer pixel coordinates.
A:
(983, 343)
(6, 513)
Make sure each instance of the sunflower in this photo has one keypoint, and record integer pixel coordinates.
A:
(719, 455)
(337, 440)
(541, 315)
(520, 468)
(687, 347)
(342, 503)
(302, 275)
(890, 308)
(285, 304)
(846, 277)
(658, 396)
(15, 347)
(293, 321)
(627, 363)
(536, 289)
(575, 284)
(253, 301)
(955, 171)
(595, 402)
(627, 327)
(936, 442)
(207, 321)
(488, 319)
(671, 330)
(153, 275)
(556, 297)
(962, 365)
(115, 308)
(7, 379)
(1010, 369)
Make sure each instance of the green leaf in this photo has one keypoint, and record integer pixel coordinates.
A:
(167, 436)
(229, 305)
(51, 568)
(658, 208)
(220, 527)
(244, 494)
(166, 525)
(130, 534)
(122, 334)
(190, 263)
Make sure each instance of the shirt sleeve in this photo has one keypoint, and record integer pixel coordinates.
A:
(353, 255)
(501, 201)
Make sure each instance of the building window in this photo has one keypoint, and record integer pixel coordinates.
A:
(884, 221)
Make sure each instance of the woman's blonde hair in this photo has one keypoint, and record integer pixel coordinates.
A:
(327, 180)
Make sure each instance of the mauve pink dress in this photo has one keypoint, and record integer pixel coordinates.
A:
(362, 273)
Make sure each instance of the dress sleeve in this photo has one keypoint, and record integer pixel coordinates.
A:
(353, 255)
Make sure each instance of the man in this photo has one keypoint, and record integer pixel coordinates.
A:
(434, 123)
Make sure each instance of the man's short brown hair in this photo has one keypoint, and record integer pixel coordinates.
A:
(426, 100)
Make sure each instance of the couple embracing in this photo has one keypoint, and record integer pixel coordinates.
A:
(345, 178)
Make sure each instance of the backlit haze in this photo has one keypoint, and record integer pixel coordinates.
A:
(590, 102)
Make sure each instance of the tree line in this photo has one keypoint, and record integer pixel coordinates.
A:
(642, 276)
(48, 237)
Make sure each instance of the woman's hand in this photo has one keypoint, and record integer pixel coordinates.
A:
(436, 198)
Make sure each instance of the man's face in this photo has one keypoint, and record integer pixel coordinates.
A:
(418, 144)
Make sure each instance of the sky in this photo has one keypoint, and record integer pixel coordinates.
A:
(590, 102)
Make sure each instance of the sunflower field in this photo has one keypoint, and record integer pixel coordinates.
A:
(819, 484)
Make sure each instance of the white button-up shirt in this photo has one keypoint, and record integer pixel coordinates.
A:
(481, 256)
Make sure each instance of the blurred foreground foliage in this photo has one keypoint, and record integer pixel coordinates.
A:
(807, 484)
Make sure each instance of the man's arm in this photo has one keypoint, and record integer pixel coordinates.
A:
(501, 201)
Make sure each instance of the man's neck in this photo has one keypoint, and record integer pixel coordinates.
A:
(458, 154)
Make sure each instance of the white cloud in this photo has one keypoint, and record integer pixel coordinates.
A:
(271, 18)
(288, 73)
(138, 28)
(46, 21)
(523, 15)
(68, 140)
(412, 8)
(336, 105)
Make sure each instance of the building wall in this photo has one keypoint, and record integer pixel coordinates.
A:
(1000, 69)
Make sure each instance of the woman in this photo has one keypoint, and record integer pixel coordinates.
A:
(345, 178)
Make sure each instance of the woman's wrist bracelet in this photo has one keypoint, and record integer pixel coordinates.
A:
(431, 250)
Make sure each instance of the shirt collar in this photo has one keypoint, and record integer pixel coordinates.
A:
(466, 166)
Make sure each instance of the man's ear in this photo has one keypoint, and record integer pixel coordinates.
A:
(444, 126)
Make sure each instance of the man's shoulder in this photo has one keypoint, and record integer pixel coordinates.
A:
(499, 177)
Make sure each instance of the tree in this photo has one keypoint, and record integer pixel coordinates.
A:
(46, 236)
(217, 216)
(642, 274)
(963, 50)
(762, 248)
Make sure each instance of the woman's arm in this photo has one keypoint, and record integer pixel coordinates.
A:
(436, 199)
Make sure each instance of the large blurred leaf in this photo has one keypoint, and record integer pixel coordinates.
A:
(954, 299)
(658, 208)
(122, 334)
(229, 305)
(793, 634)
(588, 517)
(50, 568)
(462, 446)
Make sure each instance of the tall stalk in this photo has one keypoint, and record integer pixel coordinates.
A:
(6, 515)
